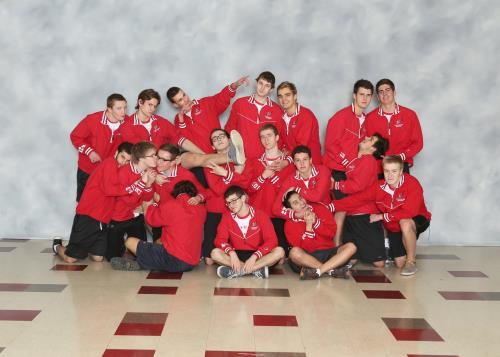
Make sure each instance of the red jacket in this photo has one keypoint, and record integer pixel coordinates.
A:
(162, 131)
(102, 189)
(303, 129)
(204, 118)
(263, 191)
(259, 237)
(317, 190)
(404, 202)
(403, 131)
(247, 120)
(178, 174)
(217, 185)
(182, 224)
(125, 205)
(321, 236)
(361, 173)
(94, 134)
(343, 134)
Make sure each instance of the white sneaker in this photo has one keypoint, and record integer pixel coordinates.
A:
(410, 268)
(239, 150)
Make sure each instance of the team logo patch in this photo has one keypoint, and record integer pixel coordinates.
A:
(156, 128)
(197, 111)
(269, 115)
(313, 183)
(254, 226)
(398, 124)
(400, 198)
(294, 124)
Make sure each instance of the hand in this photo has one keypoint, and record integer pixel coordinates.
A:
(181, 115)
(235, 261)
(376, 217)
(94, 157)
(156, 197)
(196, 200)
(151, 176)
(280, 165)
(248, 267)
(309, 217)
(239, 169)
(239, 82)
(216, 169)
(268, 172)
(160, 179)
(145, 205)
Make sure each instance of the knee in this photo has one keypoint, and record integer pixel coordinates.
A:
(296, 253)
(379, 264)
(407, 225)
(215, 253)
(279, 251)
(351, 247)
(97, 258)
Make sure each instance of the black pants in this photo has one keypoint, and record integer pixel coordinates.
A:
(81, 181)
(133, 228)
(209, 233)
(279, 228)
(200, 176)
(338, 176)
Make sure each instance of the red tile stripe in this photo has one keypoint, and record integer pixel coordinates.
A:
(383, 294)
(412, 355)
(164, 275)
(251, 292)
(274, 320)
(467, 274)
(161, 290)
(64, 267)
(252, 354)
(415, 334)
(369, 276)
(13, 287)
(142, 324)
(471, 295)
(128, 353)
(18, 315)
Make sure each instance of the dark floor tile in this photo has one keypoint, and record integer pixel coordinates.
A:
(18, 315)
(251, 292)
(145, 317)
(136, 329)
(438, 256)
(415, 335)
(164, 275)
(45, 288)
(276, 271)
(467, 274)
(369, 276)
(406, 323)
(274, 320)
(7, 249)
(13, 287)
(471, 295)
(252, 354)
(128, 353)
(383, 294)
(419, 355)
(47, 250)
(67, 267)
(165, 290)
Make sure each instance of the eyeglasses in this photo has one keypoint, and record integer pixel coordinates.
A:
(152, 155)
(218, 137)
(165, 160)
(230, 203)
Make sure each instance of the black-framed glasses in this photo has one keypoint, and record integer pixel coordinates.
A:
(231, 202)
(165, 160)
(152, 155)
(218, 137)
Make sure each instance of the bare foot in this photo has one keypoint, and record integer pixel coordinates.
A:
(209, 261)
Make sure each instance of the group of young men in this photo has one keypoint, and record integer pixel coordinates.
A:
(251, 194)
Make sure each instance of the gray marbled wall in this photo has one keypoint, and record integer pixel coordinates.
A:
(60, 59)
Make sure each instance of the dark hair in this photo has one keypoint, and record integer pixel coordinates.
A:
(381, 146)
(301, 149)
(217, 129)
(172, 149)
(362, 83)
(269, 127)
(140, 149)
(288, 85)
(148, 94)
(115, 97)
(186, 187)
(392, 159)
(172, 92)
(385, 81)
(286, 199)
(125, 147)
(237, 190)
(267, 76)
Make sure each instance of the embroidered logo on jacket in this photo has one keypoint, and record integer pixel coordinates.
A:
(269, 115)
(398, 124)
(254, 226)
(197, 111)
(400, 197)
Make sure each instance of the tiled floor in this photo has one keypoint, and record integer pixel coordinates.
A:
(450, 308)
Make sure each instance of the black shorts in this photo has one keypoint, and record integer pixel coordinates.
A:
(116, 235)
(153, 256)
(396, 246)
(279, 229)
(88, 236)
(209, 232)
(367, 237)
(243, 255)
(321, 255)
(338, 176)
(81, 181)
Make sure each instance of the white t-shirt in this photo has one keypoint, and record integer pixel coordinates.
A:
(243, 223)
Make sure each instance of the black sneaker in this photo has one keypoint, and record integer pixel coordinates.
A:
(262, 273)
(227, 273)
(308, 274)
(339, 273)
(55, 243)
(119, 263)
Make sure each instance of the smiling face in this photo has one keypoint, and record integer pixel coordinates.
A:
(392, 173)
(386, 95)
(303, 163)
(297, 203)
(182, 101)
(287, 99)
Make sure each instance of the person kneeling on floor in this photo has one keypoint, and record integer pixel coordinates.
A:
(181, 237)
(246, 242)
(310, 232)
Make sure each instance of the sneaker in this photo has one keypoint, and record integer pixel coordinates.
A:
(410, 268)
(236, 149)
(262, 273)
(119, 263)
(308, 274)
(340, 273)
(55, 243)
(226, 272)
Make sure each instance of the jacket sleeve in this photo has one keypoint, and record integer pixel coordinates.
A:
(409, 209)
(80, 135)
(321, 189)
(222, 238)
(232, 122)
(333, 149)
(221, 100)
(157, 215)
(358, 180)
(351, 202)
(278, 209)
(219, 184)
(111, 185)
(325, 223)
(416, 139)
(170, 134)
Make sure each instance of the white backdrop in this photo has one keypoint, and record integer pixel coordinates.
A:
(59, 60)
